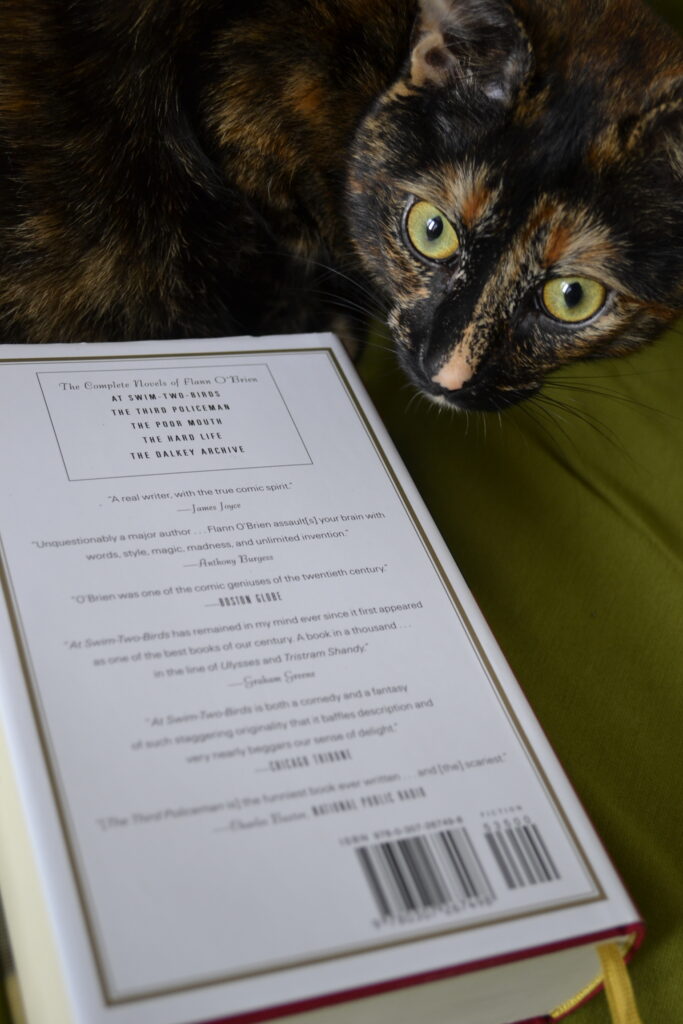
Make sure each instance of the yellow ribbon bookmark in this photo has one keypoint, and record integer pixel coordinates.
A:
(618, 988)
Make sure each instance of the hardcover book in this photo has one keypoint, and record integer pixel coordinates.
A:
(260, 754)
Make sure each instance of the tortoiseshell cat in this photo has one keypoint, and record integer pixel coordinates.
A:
(508, 178)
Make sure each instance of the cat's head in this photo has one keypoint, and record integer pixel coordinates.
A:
(518, 192)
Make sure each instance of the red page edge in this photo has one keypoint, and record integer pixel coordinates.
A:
(637, 930)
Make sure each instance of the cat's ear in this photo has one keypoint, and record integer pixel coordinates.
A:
(476, 43)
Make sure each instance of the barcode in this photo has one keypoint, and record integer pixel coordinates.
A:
(425, 872)
(521, 854)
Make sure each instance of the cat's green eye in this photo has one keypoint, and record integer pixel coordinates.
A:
(430, 232)
(573, 299)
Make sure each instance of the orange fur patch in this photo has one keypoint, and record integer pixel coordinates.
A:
(306, 97)
(556, 245)
(475, 204)
(461, 191)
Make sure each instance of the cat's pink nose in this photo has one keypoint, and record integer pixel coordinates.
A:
(453, 374)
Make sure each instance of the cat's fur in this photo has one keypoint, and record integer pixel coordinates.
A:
(193, 168)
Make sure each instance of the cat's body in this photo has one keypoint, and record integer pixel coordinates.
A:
(202, 168)
(172, 170)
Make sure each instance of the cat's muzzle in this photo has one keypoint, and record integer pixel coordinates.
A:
(480, 395)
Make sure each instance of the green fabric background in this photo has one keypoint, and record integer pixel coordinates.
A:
(567, 524)
(568, 527)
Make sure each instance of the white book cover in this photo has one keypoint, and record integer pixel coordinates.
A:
(261, 750)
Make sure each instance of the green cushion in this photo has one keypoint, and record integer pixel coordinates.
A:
(566, 520)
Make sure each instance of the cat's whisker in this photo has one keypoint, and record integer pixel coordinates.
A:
(413, 398)
(372, 305)
(348, 303)
(306, 260)
(580, 388)
(587, 420)
(613, 375)
(556, 421)
(356, 284)
(529, 410)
